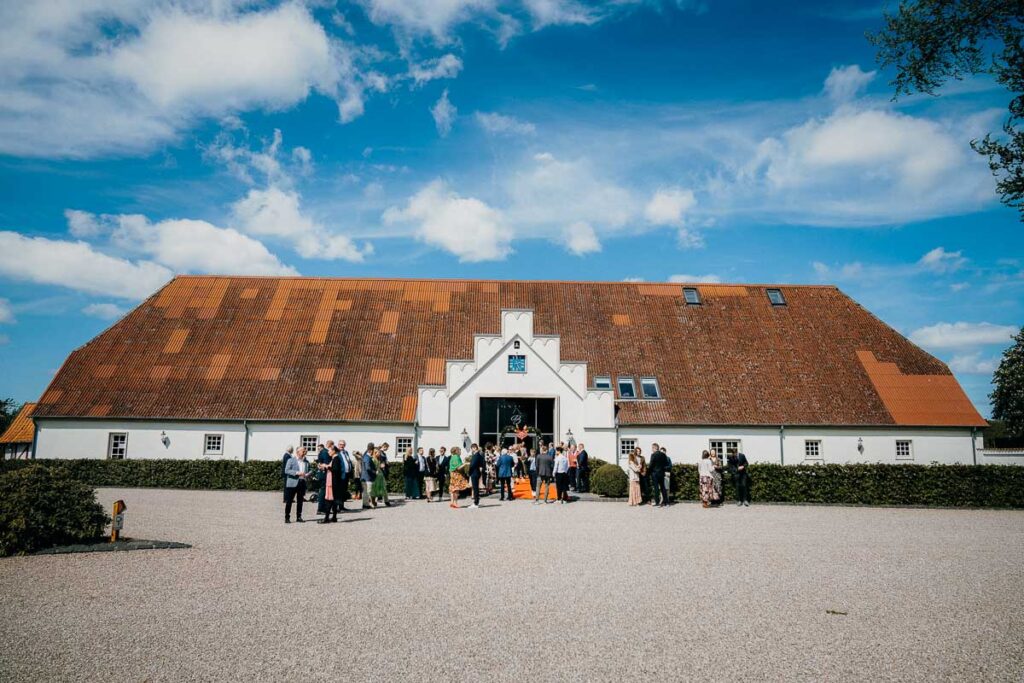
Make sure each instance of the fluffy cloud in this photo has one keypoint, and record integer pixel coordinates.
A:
(97, 76)
(580, 238)
(444, 113)
(104, 311)
(463, 226)
(940, 261)
(972, 364)
(432, 17)
(690, 279)
(76, 265)
(844, 83)
(548, 12)
(446, 66)
(847, 271)
(276, 212)
(669, 206)
(6, 312)
(499, 124)
(82, 224)
(962, 335)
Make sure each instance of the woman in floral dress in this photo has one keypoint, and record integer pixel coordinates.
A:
(705, 470)
(457, 479)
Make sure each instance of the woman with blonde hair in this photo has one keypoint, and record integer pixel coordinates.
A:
(457, 477)
(633, 470)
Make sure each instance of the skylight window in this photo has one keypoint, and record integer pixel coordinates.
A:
(602, 382)
(775, 296)
(627, 389)
(691, 295)
(649, 387)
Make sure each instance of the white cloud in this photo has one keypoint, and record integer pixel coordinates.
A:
(277, 212)
(102, 76)
(432, 17)
(632, 279)
(580, 238)
(444, 113)
(962, 335)
(549, 12)
(464, 226)
(6, 312)
(695, 279)
(689, 239)
(104, 311)
(844, 83)
(847, 271)
(82, 224)
(940, 261)
(972, 364)
(959, 286)
(668, 206)
(76, 265)
(446, 66)
(499, 124)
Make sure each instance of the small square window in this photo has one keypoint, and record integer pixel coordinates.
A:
(602, 382)
(723, 448)
(626, 447)
(691, 295)
(649, 387)
(627, 389)
(213, 444)
(812, 449)
(402, 444)
(775, 296)
(117, 445)
(517, 363)
(904, 450)
(309, 442)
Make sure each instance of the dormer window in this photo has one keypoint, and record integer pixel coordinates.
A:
(691, 295)
(775, 296)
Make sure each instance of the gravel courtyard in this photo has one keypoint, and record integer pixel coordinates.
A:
(589, 591)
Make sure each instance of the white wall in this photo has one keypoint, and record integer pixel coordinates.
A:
(838, 444)
(268, 440)
(89, 438)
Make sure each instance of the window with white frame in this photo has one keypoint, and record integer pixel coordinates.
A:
(213, 444)
(402, 444)
(603, 382)
(649, 387)
(309, 442)
(691, 295)
(812, 449)
(627, 389)
(626, 447)
(117, 445)
(905, 450)
(724, 447)
(775, 297)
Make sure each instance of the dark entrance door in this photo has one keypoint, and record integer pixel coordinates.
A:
(498, 414)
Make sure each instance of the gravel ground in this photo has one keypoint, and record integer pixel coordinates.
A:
(511, 591)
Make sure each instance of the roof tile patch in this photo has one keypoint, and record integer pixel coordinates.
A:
(325, 375)
(620, 319)
(22, 429)
(389, 322)
(176, 341)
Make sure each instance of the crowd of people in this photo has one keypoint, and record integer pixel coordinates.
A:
(362, 476)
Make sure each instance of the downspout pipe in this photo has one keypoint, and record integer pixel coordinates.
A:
(35, 437)
(974, 447)
(782, 449)
(245, 453)
(415, 436)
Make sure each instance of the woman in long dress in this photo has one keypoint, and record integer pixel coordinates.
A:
(380, 483)
(705, 470)
(634, 480)
(457, 479)
(716, 478)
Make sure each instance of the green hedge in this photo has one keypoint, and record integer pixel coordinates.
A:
(42, 506)
(609, 480)
(942, 485)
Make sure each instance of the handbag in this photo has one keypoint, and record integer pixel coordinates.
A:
(463, 469)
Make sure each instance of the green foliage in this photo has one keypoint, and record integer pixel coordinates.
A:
(43, 506)
(8, 410)
(609, 480)
(1008, 396)
(942, 485)
(937, 485)
(932, 41)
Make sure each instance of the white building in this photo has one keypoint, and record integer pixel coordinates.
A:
(243, 367)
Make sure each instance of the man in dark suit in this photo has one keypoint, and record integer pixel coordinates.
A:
(583, 470)
(284, 463)
(346, 474)
(657, 466)
(476, 469)
(443, 461)
(323, 459)
(740, 474)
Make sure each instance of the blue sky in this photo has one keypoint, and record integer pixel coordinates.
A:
(542, 139)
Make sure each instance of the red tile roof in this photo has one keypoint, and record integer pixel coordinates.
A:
(21, 429)
(356, 350)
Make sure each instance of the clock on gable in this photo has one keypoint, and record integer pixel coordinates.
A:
(517, 363)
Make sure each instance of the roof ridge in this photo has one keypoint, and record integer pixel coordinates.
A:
(498, 280)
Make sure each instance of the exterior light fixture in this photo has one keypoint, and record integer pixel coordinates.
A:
(165, 440)
(570, 438)
(860, 445)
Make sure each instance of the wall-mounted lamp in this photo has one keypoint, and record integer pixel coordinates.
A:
(860, 445)
(515, 344)
(165, 440)
(570, 438)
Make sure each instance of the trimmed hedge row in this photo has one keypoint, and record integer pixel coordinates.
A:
(942, 485)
